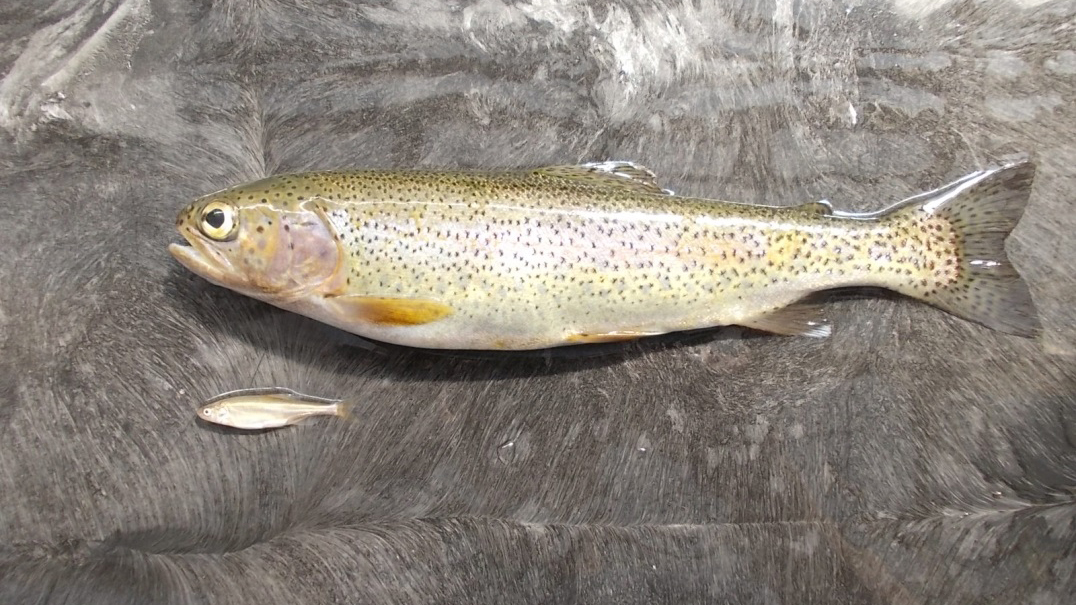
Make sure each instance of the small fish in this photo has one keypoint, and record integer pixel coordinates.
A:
(599, 252)
(268, 408)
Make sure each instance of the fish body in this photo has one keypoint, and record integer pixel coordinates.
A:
(560, 255)
(267, 408)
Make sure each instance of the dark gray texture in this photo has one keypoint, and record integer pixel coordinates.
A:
(910, 458)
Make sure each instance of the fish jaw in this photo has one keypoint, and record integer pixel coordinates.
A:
(204, 260)
(217, 270)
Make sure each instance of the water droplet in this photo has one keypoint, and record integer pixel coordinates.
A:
(642, 444)
(506, 452)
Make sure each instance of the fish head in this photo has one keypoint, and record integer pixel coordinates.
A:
(258, 241)
(215, 413)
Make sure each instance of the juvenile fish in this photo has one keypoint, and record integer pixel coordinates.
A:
(560, 255)
(268, 408)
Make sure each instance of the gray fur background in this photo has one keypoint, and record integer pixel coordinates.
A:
(911, 458)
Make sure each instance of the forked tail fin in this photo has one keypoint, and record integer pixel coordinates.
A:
(982, 209)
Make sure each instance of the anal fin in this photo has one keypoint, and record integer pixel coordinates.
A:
(797, 319)
(600, 337)
(387, 311)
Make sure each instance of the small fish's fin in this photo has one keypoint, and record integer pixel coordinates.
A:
(983, 208)
(622, 175)
(599, 337)
(822, 207)
(391, 311)
(344, 409)
(797, 319)
(299, 418)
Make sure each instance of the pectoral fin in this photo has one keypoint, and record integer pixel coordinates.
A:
(797, 319)
(620, 175)
(391, 311)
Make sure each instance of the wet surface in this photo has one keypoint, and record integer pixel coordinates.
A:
(909, 458)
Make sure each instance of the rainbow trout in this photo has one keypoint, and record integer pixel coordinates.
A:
(561, 255)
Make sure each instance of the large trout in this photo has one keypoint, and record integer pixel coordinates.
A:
(534, 258)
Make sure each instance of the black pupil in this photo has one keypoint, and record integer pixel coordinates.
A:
(215, 218)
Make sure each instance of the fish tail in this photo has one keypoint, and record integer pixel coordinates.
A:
(344, 410)
(981, 210)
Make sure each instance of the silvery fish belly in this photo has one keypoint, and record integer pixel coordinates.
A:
(559, 255)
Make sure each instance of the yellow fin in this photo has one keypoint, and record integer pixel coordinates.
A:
(797, 319)
(392, 311)
(620, 175)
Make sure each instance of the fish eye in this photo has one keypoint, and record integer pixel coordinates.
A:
(218, 221)
(215, 218)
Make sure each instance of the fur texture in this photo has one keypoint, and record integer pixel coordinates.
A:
(910, 458)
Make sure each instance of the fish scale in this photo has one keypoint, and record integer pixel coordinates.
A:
(521, 259)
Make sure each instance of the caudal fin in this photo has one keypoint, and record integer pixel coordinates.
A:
(345, 410)
(983, 208)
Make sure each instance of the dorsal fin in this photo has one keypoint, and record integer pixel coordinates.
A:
(622, 175)
(822, 207)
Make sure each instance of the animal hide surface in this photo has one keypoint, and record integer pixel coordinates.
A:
(910, 458)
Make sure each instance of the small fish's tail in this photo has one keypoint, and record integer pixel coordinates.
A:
(981, 210)
(344, 410)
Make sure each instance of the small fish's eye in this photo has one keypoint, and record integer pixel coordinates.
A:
(218, 221)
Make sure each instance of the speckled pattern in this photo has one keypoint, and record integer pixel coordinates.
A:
(911, 458)
(551, 256)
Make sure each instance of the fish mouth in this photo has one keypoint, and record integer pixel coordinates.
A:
(203, 260)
